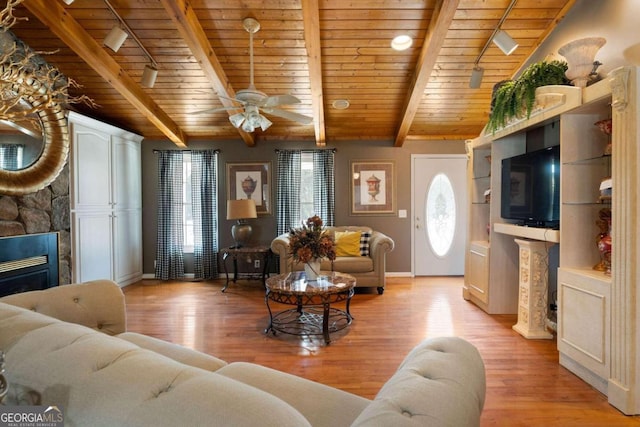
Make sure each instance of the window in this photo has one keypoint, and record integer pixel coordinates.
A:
(441, 214)
(306, 185)
(187, 209)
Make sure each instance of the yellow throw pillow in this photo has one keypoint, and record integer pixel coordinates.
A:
(347, 243)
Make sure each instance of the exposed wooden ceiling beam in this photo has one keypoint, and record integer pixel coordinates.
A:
(311, 18)
(192, 32)
(63, 25)
(440, 22)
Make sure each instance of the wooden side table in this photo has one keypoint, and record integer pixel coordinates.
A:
(255, 253)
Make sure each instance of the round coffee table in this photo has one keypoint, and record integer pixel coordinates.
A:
(313, 314)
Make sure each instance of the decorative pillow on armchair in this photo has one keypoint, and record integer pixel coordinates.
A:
(347, 243)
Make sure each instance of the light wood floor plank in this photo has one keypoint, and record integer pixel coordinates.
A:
(525, 384)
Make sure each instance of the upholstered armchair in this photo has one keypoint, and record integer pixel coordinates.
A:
(368, 266)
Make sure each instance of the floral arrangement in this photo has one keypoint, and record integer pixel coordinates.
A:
(311, 241)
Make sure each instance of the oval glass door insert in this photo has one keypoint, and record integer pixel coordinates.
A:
(440, 214)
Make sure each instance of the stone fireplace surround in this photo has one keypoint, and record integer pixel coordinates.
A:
(47, 210)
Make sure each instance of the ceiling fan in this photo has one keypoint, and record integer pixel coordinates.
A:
(255, 101)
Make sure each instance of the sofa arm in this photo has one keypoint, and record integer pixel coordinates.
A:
(441, 382)
(380, 244)
(97, 304)
(280, 248)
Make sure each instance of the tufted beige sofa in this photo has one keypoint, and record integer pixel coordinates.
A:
(68, 347)
(369, 271)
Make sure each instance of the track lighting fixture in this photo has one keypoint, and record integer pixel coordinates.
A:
(505, 42)
(149, 76)
(502, 40)
(476, 77)
(118, 35)
(115, 38)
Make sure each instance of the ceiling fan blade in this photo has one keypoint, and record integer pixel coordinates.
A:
(231, 99)
(216, 109)
(275, 100)
(290, 115)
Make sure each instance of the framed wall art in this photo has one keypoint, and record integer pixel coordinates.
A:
(250, 181)
(372, 187)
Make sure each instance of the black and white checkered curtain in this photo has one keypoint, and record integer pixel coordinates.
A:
(11, 156)
(169, 247)
(288, 189)
(204, 198)
(324, 186)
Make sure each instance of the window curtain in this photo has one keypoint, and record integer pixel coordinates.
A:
(288, 189)
(204, 194)
(169, 246)
(11, 156)
(324, 185)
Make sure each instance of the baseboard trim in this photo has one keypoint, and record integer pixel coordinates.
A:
(398, 274)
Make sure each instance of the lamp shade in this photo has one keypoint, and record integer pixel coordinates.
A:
(476, 77)
(505, 42)
(68, 1)
(115, 38)
(241, 209)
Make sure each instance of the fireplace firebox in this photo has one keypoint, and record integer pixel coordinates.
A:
(28, 263)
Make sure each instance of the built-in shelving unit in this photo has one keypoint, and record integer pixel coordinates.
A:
(597, 323)
(583, 293)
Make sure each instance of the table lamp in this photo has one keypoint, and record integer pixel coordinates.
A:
(241, 210)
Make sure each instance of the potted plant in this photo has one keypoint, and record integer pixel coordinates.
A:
(516, 98)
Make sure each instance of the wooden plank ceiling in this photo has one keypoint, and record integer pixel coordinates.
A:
(317, 50)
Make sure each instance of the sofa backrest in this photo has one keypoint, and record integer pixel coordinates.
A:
(360, 228)
(97, 304)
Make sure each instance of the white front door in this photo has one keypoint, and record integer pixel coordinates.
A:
(439, 214)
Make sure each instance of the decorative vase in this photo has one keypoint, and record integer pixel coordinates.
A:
(249, 186)
(312, 269)
(606, 127)
(373, 186)
(603, 241)
(580, 55)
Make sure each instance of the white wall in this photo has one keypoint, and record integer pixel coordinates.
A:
(615, 20)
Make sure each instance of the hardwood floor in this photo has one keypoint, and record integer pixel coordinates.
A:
(525, 384)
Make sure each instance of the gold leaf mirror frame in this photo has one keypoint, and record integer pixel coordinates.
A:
(55, 136)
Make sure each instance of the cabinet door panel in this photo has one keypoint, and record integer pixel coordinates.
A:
(127, 193)
(92, 247)
(127, 246)
(478, 280)
(91, 155)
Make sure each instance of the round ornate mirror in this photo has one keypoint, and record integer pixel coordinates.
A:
(33, 157)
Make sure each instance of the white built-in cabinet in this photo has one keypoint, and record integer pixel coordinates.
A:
(106, 194)
(598, 332)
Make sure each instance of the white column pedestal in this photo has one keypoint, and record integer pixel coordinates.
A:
(532, 289)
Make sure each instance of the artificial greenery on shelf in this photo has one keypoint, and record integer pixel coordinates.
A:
(514, 98)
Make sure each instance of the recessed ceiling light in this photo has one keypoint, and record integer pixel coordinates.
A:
(401, 42)
(341, 104)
